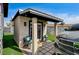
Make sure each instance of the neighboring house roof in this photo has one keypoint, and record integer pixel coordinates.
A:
(34, 13)
(5, 8)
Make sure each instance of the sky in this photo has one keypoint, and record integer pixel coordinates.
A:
(69, 12)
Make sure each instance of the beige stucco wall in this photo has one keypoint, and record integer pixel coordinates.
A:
(20, 31)
(24, 30)
(16, 31)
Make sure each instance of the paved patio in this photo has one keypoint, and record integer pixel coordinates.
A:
(47, 49)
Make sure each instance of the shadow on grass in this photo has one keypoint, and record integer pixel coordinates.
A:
(8, 41)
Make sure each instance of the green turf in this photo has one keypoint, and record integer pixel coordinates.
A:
(51, 37)
(9, 45)
(76, 44)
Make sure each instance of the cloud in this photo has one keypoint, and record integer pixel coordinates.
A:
(67, 18)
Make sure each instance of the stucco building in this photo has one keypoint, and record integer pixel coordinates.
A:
(32, 23)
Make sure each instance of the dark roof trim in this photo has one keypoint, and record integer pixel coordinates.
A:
(17, 13)
(5, 8)
(39, 14)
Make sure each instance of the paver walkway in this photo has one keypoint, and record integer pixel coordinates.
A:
(48, 48)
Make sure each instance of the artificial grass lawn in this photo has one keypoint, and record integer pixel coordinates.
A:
(9, 45)
(51, 37)
(76, 44)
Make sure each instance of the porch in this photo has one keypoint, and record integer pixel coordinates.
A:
(36, 38)
(35, 33)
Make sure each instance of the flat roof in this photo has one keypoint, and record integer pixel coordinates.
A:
(35, 13)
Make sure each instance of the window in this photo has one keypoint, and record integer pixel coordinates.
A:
(24, 23)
